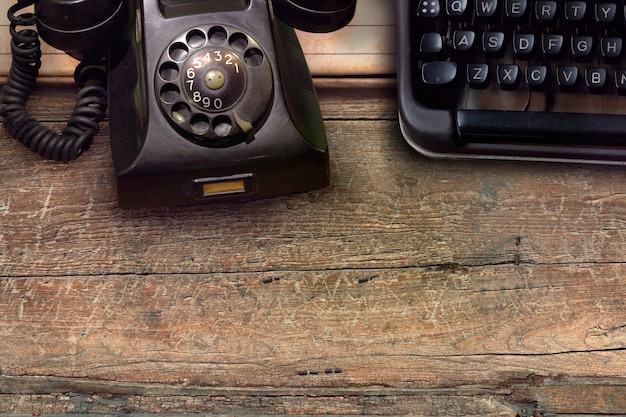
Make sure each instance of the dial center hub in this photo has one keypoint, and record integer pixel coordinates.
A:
(214, 79)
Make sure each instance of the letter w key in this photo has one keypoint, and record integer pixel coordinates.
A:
(486, 9)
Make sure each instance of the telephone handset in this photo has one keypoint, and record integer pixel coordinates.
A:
(208, 100)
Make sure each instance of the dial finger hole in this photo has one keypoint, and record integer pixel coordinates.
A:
(217, 35)
(200, 124)
(168, 71)
(253, 57)
(196, 38)
(238, 41)
(180, 113)
(178, 51)
(222, 126)
(169, 93)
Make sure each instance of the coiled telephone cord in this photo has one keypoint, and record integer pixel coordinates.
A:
(89, 111)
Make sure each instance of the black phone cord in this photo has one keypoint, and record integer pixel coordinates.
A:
(89, 111)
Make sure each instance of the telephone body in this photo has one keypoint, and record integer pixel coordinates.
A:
(208, 100)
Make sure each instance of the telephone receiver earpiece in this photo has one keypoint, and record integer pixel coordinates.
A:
(315, 15)
(82, 28)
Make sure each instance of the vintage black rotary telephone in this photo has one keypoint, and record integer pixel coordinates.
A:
(208, 99)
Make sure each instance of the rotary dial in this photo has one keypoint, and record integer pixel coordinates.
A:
(214, 85)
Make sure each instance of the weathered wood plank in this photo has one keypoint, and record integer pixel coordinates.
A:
(386, 207)
(409, 328)
(98, 397)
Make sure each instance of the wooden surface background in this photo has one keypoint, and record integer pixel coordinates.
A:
(410, 286)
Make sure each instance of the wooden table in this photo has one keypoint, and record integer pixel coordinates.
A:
(410, 286)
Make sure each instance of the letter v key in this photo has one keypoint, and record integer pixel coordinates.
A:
(567, 78)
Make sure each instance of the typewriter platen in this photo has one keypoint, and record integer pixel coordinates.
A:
(513, 79)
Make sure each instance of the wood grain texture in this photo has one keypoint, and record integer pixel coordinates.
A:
(410, 286)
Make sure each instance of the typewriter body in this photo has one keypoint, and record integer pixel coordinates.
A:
(513, 79)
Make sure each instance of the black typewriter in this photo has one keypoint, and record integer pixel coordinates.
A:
(513, 79)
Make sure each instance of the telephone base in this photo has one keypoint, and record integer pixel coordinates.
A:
(213, 107)
(197, 187)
